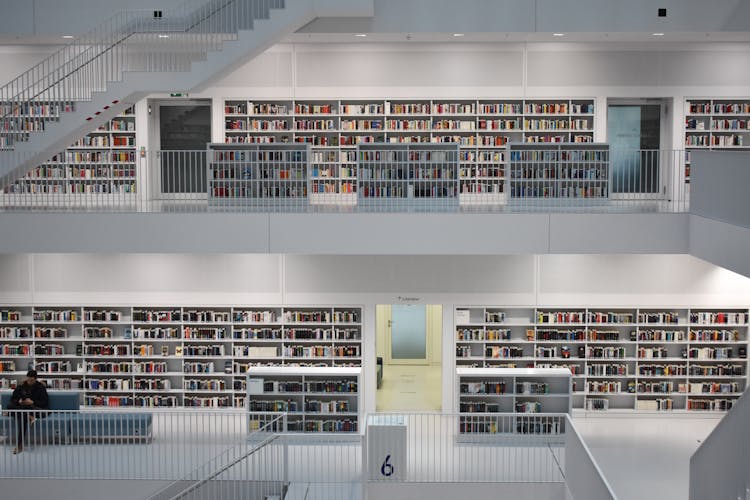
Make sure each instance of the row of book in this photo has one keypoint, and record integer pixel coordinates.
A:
(718, 108)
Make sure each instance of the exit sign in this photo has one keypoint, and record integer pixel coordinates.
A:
(178, 94)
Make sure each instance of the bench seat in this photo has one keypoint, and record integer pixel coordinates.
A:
(103, 425)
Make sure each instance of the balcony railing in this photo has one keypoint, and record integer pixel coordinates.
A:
(227, 454)
(291, 179)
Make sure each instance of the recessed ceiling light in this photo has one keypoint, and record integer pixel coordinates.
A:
(558, 34)
(68, 36)
(458, 34)
(361, 35)
(163, 36)
(657, 34)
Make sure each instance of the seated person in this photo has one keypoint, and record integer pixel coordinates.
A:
(30, 395)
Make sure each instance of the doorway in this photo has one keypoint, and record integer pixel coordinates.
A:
(181, 129)
(409, 353)
(636, 130)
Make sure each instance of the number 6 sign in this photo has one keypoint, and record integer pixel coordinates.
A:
(387, 469)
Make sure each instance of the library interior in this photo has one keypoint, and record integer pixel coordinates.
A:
(358, 249)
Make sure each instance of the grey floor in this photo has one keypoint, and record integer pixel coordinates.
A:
(645, 458)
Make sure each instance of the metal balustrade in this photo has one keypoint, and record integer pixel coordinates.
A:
(286, 178)
(226, 454)
(127, 443)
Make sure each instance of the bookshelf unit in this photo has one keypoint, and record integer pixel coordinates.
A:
(96, 167)
(481, 128)
(716, 124)
(160, 356)
(559, 171)
(642, 359)
(316, 399)
(485, 394)
(265, 175)
(408, 173)
(32, 115)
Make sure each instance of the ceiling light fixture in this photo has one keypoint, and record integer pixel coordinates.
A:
(558, 34)
(362, 35)
(68, 37)
(657, 34)
(163, 36)
(458, 34)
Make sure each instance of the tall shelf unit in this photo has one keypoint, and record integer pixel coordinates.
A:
(171, 356)
(480, 127)
(315, 399)
(528, 394)
(97, 166)
(643, 359)
(559, 171)
(716, 124)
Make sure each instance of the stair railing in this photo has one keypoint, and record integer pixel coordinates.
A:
(128, 41)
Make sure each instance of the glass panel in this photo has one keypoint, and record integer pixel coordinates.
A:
(184, 128)
(409, 332)
(633, 133)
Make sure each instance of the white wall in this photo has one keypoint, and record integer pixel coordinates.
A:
(494, 70)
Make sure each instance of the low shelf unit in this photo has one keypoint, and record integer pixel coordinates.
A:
(507, 401)
(315, 399)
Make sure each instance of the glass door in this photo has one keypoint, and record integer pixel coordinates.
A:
(183, 130)
(408, 335)
(634, 134)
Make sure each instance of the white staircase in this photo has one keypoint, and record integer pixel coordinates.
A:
(133, 54)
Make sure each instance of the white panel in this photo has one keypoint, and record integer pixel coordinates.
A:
(176, 278)
(403, 16)
(718, 186)
(428, 68)
(720, 243)
(56, 17)
(14, 273)
(618, 233)
(144, 232)
(409, 233)
(647, 67)
(15, 60)
(678, 280)
(409, 274)
(272, 68)
(640, 15)
(17, 18)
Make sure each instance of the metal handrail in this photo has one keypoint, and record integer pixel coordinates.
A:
(69, 74)
(198, 482)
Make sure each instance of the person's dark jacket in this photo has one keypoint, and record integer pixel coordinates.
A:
(36, 392)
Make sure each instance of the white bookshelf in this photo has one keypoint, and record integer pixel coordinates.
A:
(532, 400)
(481, 128)
(95, 168)
(316, 399)
(644, 359)
(712, 123)
(171, 356)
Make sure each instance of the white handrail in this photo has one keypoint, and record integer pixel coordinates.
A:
(128, 41)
